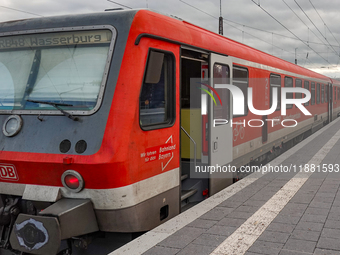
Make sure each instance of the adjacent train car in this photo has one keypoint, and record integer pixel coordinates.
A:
(106, 121)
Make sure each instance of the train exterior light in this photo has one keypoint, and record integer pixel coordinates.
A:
(117, 122)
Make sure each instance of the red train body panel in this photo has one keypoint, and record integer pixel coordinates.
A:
(131, 171)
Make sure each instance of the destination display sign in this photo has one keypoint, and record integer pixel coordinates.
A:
(55, 39)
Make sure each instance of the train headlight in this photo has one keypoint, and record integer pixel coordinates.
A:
(12, 125)
(72, 181)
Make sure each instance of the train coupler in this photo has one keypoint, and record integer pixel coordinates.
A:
(42, 233)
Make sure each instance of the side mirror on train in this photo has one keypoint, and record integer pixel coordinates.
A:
(154, 67)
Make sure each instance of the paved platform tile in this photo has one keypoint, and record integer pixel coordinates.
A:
(328, 243)
(182, 237)
(231, 222)
(331, 233)
(305, 235)
(287, 252)
(325, 252)
(217, 213)
(332, 224)
(300, 245)
(202, 223)
(159, 250)
(263, 247)
(276, 237)
(195, 249)
(221, 230)
(209, 240)
(281, 227)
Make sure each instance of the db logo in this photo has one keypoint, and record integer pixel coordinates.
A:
(8, 172)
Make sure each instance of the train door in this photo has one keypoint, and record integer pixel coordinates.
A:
(193, 139)
(330, 102)
(221, 132)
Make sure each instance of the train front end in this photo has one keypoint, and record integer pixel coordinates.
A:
(58, 161)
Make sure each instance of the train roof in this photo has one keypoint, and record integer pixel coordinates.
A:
(190, 34)
(143, 22)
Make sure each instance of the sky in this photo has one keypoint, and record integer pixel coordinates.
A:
(307, 30)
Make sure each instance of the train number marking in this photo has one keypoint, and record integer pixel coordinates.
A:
(8, 172)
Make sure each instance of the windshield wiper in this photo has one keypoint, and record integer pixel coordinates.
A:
(56, 105)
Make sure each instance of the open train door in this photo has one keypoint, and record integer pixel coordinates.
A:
(221, 132)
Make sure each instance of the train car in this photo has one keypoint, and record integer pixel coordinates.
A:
(107, 126)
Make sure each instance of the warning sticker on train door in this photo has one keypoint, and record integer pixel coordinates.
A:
(163, 153)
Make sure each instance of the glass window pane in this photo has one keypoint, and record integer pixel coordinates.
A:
(240, 79)
(221, 75)
(156, 99)
(275, 81)
(289, 83)
(64, 67)
(306, 86)
(313, 93)
(298, 84)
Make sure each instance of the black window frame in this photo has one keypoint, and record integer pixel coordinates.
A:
(313, 93)
(298, 84)
(245, 92)
(322, 93)
(334, 94)
(318, 93)
(291, 85)
(306, 86)
(171, 90)
(271, 84)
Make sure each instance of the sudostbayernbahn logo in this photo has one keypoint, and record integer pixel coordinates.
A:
(239, 103)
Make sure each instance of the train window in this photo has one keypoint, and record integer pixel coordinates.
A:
(313, 93)
(157, 95)
(338, 93)
(289, 83)
(275, 81)
(322, 93)
(240, 79)
(334, 94)
(221, 75)
(298, 84)
(318, 93)
(64, 68)
(326, 93)
(306, 86)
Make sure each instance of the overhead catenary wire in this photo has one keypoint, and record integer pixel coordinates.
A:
(226, 20)
(13, 9)
(315, 26)
(277, 34)
(324, 22)
(327, 28)
(289, 30)
(254, 28)
(304, 23)
(119, 4)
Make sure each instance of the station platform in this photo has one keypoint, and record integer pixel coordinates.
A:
(294, 212)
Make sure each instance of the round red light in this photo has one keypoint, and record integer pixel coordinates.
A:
(71, 181)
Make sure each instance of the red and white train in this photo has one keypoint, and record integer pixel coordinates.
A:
(102, 121)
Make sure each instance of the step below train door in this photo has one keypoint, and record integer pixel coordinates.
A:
(221, 132)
